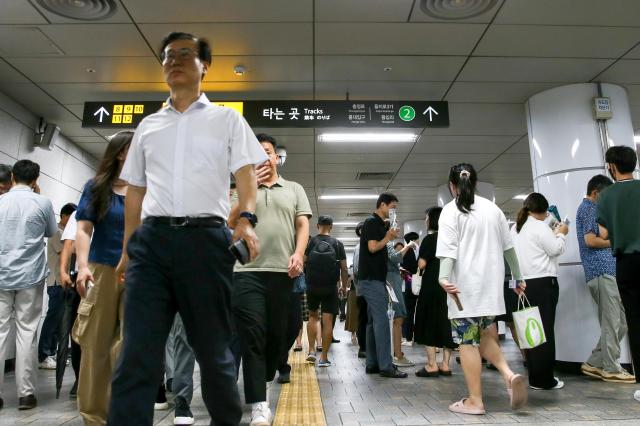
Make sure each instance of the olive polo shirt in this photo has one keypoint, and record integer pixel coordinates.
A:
(618, 212)
(277, 208)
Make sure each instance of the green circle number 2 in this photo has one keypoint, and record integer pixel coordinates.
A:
(407, 113)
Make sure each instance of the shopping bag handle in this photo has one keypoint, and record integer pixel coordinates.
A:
(521, 299)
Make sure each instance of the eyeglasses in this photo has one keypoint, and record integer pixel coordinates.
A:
(184, 54)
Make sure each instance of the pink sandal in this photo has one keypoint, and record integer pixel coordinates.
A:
(518, 392)
(459, 407)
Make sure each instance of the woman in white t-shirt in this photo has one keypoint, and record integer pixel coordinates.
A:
(538, 248)
(472, 242)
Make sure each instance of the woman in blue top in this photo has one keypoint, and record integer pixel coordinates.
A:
(98, 328)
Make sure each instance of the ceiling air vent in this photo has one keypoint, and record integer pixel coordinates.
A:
(358, 214)
(374, 175)
(81, 10)
(452, 10)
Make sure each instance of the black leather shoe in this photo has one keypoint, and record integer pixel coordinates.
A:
(284, 378)
(394, 374)
(372, 370)
(27, 402)
(334, 340)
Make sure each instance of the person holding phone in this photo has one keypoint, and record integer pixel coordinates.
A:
(473, 238)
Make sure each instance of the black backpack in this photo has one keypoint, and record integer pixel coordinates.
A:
(322, 265)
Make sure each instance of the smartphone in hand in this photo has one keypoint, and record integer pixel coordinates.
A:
(240, 250)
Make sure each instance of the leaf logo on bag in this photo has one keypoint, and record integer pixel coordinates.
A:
(534, 333)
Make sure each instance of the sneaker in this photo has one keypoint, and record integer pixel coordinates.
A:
(161, 399)
(619, 377)
(376, 370)
(312, 358)
(334, 340)
(394, 373)
(636, 395)
(559, 385)
(49, 363)
(319, 348)
(284, 378)
(27, 402)
(407, 343)
(403, 362)
(323, 363)
(260, 414)
(183, 414)
(589, 370)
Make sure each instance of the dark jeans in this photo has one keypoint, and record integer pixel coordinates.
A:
(294, 324)
(407, 327)
(628, 277)
(51, 325)
(541, 361)
(176, 269)
(261, 303)
(363, 319)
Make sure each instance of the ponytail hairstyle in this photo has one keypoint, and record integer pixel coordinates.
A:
(107, 173)
(534, 203)
(464, 177)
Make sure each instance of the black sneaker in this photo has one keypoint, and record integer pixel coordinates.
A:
(73, 393)
(183, 414)
(372, 370)
(334, 340)
(394, 373)
(284, 378)
(27, 402)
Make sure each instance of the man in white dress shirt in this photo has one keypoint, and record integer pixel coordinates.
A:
(176, 241)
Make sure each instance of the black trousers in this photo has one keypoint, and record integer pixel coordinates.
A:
(628, 277)
(407, 326)
(541, 361)
(294, 324)
(185, 270)
(363, 319)
(261, 302)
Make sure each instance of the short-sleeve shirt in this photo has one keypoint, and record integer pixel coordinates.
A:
(71, 229)
(185, 159)
(595, 261)
(108, 232)
(372, 266)
(428, 253)
(618, 212)
(476, 241)
(337, 245)
(277, 208)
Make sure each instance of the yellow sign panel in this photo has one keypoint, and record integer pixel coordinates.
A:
(117, 109)
(238, 106)
(117, 119)
(138, 109)
(127, 119)
(128, 109)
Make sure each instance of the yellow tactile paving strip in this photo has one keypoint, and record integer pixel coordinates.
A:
(300, 402)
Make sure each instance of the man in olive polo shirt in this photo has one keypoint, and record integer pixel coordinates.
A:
(619, 223)
(262, 289)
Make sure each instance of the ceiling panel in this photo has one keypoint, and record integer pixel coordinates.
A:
(403, 68)
(243, 38)
(623, 71)
(81, 39)
(553, 41)
(570, 12)
(496, 92)
(362, 148)
(8, 74)
(380, 90)
(419, 16)
(396, 39)
(25, 93)
(188, 11)
(363, 10)
(429, 144)
(483, 119)
(567, 70)
(261, 68)
(95, 149)
(19, 12)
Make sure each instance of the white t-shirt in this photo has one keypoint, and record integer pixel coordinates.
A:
(476, 241)
(71, 229)
(538, 249)
(184, 160)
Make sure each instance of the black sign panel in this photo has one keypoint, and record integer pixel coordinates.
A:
(117, 114)
(391, 114)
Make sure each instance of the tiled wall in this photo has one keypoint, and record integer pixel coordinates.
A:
(63, 170)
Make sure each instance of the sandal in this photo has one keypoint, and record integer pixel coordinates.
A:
(459, 407)
(518, 391)
(445, 373)
(424, 373)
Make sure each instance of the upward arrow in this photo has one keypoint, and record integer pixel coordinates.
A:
(101, 111)
(431, 111)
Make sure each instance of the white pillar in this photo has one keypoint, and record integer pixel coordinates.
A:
(566, 151)
(417, 226)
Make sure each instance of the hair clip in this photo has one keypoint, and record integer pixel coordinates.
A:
(466, 173)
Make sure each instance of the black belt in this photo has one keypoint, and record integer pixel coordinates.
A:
(186, 221)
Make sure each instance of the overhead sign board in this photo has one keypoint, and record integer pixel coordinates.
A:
(309, 114)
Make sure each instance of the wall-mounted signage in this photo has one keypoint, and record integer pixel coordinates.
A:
(350, 114)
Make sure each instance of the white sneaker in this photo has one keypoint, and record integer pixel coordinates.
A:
(260, 414)
(636, 395)
(49, 363)
(403, 362)
(407, 343)
(558, 385)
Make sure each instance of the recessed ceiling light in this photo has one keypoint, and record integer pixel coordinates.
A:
(239, 70)
(521, 197)
(81, 10)
(387, 68)
(367, 137)
(345, 223)
(90, 70)
(349, 238)
(349, 197)
(456, 9)
(636, 139)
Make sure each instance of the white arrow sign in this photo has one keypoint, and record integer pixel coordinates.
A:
(101, 111)
(431, 111)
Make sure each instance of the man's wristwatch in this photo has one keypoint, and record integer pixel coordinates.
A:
(252, 218)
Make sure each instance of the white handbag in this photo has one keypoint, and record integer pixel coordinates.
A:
(528, 324)
(416, 283)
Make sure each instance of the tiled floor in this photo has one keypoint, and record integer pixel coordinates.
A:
(352, 398)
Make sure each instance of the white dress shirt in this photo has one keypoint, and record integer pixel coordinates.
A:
(538, 249)
(477, 241)
(185, 159)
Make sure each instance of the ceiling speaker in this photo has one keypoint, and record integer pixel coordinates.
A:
(46, 138)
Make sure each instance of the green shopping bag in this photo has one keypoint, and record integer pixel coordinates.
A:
(528, 324)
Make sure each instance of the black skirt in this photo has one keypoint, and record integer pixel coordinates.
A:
(432, 325)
